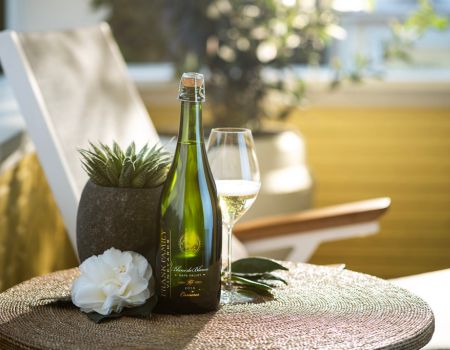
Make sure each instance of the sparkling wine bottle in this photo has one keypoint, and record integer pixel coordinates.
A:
(189, 254)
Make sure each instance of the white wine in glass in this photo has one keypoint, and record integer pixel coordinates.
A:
(234, 165)
(236, 197)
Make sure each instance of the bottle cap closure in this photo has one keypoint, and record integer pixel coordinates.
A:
(192, 87)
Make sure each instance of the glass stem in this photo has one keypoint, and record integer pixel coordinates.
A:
(228, 282)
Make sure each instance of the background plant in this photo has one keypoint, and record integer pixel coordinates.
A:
(114, 167)
(248, 47)
(233, 40)
(405, 34)
(238, 41)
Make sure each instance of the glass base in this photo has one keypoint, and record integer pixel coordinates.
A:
(234, 295)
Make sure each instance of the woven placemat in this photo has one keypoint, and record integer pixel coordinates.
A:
(321, 308)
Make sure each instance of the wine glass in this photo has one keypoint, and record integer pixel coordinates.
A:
(233, 162)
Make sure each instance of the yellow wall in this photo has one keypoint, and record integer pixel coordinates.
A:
(404, 153)
(33, 240)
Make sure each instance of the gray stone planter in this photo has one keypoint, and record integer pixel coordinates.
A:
(123, 218)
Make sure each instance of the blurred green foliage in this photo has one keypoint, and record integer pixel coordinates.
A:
(231, 41)
(405, 34)
(403, 37)
(247, 48)
(235, 40)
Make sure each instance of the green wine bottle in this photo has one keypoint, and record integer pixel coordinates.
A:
(188, 264)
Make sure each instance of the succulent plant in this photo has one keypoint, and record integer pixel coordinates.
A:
(114, 167)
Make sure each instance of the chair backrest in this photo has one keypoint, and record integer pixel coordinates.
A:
(72, 87)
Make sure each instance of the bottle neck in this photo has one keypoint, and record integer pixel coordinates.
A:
(191, 130)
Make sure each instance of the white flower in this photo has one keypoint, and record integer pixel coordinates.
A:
(111, 281)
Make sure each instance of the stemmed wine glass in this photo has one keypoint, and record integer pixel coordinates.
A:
(233, 162)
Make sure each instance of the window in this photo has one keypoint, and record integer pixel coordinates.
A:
(369, 32)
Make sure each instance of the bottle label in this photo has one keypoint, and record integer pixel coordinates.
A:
(185, 281)
(190, 280)
(165, 264)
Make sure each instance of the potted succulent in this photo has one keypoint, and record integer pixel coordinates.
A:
(118, 206)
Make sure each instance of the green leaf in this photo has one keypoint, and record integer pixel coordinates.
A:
(127, 173)
(98, 318)
(98, 152)
(249, 295)
(256, 265)
(258, 286)
(96, 177)
(112, 173)
(108, 152)
(271, 276)
(140, 156)
(131, 150)
(118, 151)
(139, 180)
(143, 151)
(260, 276)
(143, 311)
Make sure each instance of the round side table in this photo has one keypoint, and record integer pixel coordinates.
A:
(320, 308)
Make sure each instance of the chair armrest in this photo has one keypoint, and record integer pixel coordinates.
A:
(314, 219)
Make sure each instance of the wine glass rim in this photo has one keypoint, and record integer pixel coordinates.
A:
(231, 130)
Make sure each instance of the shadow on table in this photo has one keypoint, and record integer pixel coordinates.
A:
(63, 326)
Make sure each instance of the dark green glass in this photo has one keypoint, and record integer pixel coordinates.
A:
(189, 255)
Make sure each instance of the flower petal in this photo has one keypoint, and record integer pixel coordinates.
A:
(141, 263)
(95, 269)
(116, 258)
(138, 299)
(85, 294)
(113, 280)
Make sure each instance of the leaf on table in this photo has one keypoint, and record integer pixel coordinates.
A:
(143, 311)
(61, 298)
(260, 287)
(271, 276)
(97, 318)
(260, 276)
(256, 265)
(249, 295)
(59, 301)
